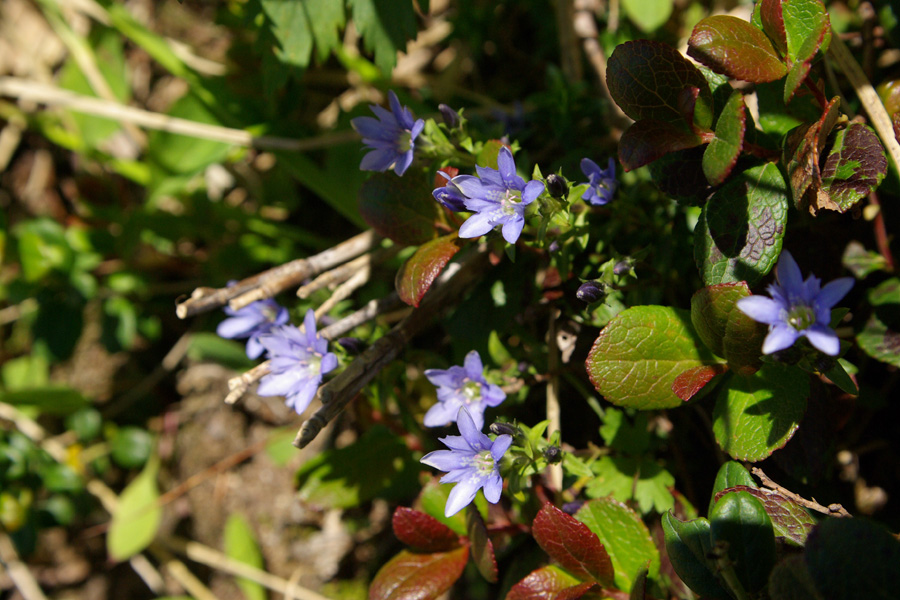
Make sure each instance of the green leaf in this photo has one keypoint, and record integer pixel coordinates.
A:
(51, 400)
(854, 167)
(853, 558)
(790, 580)
(648, 140)
(480, 545)
(862, 262)
(648, 15)
(434, 498)
(421, 269)
(386, 26)
(740, 522)
(722, 153)
(647, 79)
(791, 24)
(639, 354)
(756, 415)
(625, 537)
(207, 346)
(399, 208)
(730, 475)
(131, 447)
(739, 234)
(627, 478)
(377, 465)
(296, 24)
(735, 48)
(688, 545)
(726, 330)
(790, 521)
(240, 545)
(43, 248)
(412, 576)
(183, 154)
(137, 515)
(25, 372)
(620, 434)
(880, 338)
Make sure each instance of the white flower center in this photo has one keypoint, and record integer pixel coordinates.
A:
(483, 462)
(509, 201)
(801, 317)
(404, 142)
(471, 391)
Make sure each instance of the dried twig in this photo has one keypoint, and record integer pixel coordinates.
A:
(347, 270)
(268, 283)
(18, 571)
(238, 385)
(368, 312)
(337, 393)
(835, 510)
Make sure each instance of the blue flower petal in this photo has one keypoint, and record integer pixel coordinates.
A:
(476, 225)
(762, 309)
(512, 229)
(461, 495)
(780, 336)
(823, 338)
(833, 291)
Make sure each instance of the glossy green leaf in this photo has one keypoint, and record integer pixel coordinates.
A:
(722, 153)
(792, 23)
(790, 521)
(378, 464)
(648, 15)
(42, 248)
(639, 354)
(649, 139)
(625, 537)
(726, 330)
(418, 576)
(646, 79)
(240, 544)
(688, 545)
(573, 545)
(855, 166)
(740, 523)
(853, 558)
(421, 269)
(137, 515)
(626, 478)
(619, 433)
(297, 24)
(399, 208)
(756, 415)
(730, 475)
(735, 48)
(862, 262)
(131, 447)
(739, 234)
(790, 580)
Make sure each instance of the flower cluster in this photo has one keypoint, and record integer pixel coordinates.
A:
(498, 197)
(602, 182)
(797, 308)
(462, 387)
(391, 137)
(297, 362)
(472, 463)
(252, 321)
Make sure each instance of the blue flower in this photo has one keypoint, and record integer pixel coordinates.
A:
(450, 195)
(297, 362)
(460, 387)
(797, 308)
(391, 137)
(252, 321)
(498, 197)
(472, 463)
(602, 182)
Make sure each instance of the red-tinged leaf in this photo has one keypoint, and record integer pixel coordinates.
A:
(646, 80)
(722, 153)
(772, 18)
(735, 48)
(422, 532)
(693, 380)
(856, 165)
(791, 521)
(422, 268)
(399, 208)
(412, 576)
(649, 139)
(726, 330)
(440, 181)
(802, 147)
(798, 27)
(570, 543)
(481, 547)
(549, 583)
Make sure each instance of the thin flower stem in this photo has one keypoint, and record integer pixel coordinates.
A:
(553, 408)
(881, 235)
(268, 283)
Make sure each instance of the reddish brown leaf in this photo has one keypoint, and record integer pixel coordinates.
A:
(772, 16)
(692, 381)
(790, 520)
(481, 546)
(422, 268)
(549, 583)
(411, 576)
(422, 532)
(648, 140)
(735, 48)
(801, 153)
(573, 545)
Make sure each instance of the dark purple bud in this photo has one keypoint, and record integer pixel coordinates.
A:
(591, 291)
(352, 345)
(553, 454)
(451, 117)
(557, 186)
(570, 508)
(623, 266)
(501, 428)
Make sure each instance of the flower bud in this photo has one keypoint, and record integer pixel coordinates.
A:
(553, 454)
(557, 186)
(501, 428)
(591, 291)
(352, 345)
(451, 117)
(625, 265)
